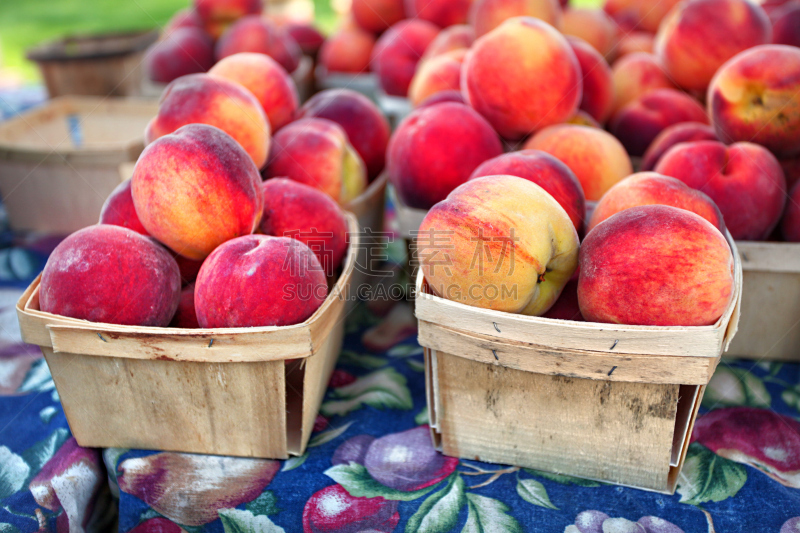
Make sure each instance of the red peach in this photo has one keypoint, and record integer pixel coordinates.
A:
(397, 52)
(786, 29)
(486, 15)
(347, 50)
(598, 89)
(458, 37)
(258, 280)
(440, 73)
(111, 274)
(217, 15)
(195, 189)
(443, 13)
(582, 118)
(294, 210)
(651, 188)
(366, 127)
(566, 307)
(596, 158)
(316, 152)
(791, 170)
(306, 36)
(545, 171)
(441, 97)
(636, 75)
(744, 180)
(595, 27)
(267, 80)
(377, 15)
(655, 265)
(118, 209)
(184, 18)
(517, 101)
(181, 52)
(755, 97)
(774, 8)
(435, 149)
(636, 41)
(639, 122)
(790, 225)
(255, 34)
(188, 267)
(185, 316)
(204, 99)
(700, 35)
(677, 133)
(639, 14)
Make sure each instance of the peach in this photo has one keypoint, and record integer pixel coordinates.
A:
(435, 149)
(366, 127)
(185, 316)
(441, 97)
(440, 73)
(486, 15)
(499, 242)
(655, 265)
(397, 52)
(181, 52)
(204, 99)
(443, 13)
(195, 189)
(566, 307)
(635, 75)
(118, 209)
(699, 36)
(545, 171)
(595, 27)
(217, 15)
(458, 37)
(596, 158)
(755, 97)
(791, 170)
(266, 80)
(518, 101)
(635, 41)
(184, 18)
(258, 280)
(307, 37)
(651, 188)
(639, 122)
(598, 89)
(294, 210)
(643, 15)
(375, 16)
(255, 34)
(188, 267)
(677, 133)
(790, 224)
(316, 152)
(582, 118)
(111, 274)
(347, 50)
(744, 180)
(786, 28)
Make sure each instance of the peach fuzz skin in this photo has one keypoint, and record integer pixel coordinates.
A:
(651, 188)
(195, 189)
(217, 15)
(258, 35)
(598, 88)
(755, 97)
(545, 171)
(522, 76)
(637, 124)
(397, 52)
(258, 280)
(185, 317)
(204, 99)
(435, 149)
(639, 14)
(699, 36)
(486, 15)
(677, 133)
(443, 13)
(183, 51)
(637, 41)
(655, 265)
(790, 224)
(593, 26)
(527, 246)
(118, 209)
(376, 16)
(458, 37)
(744, 180)
(267, 80)
(113, 275)
(440, 73)
(595, 156)
(347, 50)
(635, 75)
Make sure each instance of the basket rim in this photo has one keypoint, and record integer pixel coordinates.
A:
(55, 50)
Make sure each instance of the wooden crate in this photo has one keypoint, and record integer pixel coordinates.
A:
(59, 162)
(770, 325)
(366, 84)
(599, 401)
(369, 210)
(95, 65)
(250, 392)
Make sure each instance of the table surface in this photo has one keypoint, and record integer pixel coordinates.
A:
(373, 424)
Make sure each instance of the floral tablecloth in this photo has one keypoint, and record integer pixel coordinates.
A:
(370, 466)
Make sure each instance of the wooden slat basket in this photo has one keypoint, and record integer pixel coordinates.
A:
(770, 325)
(369, 210)
(59, 162)
(250, 392)
(599, 401)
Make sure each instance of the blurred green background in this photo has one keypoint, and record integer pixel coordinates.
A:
(24, 23)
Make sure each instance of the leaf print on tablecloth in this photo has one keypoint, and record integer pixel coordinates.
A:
(439, 512)
(358, 483)
(707, 477)
(14, 471)
(37, 455)
(735, 386)
(351, 358)
(562, 479)
(489, 515)
(38, 378)
(383, 389)
(266, 504)
(8, 528)
(534, 492)
(238, 521)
